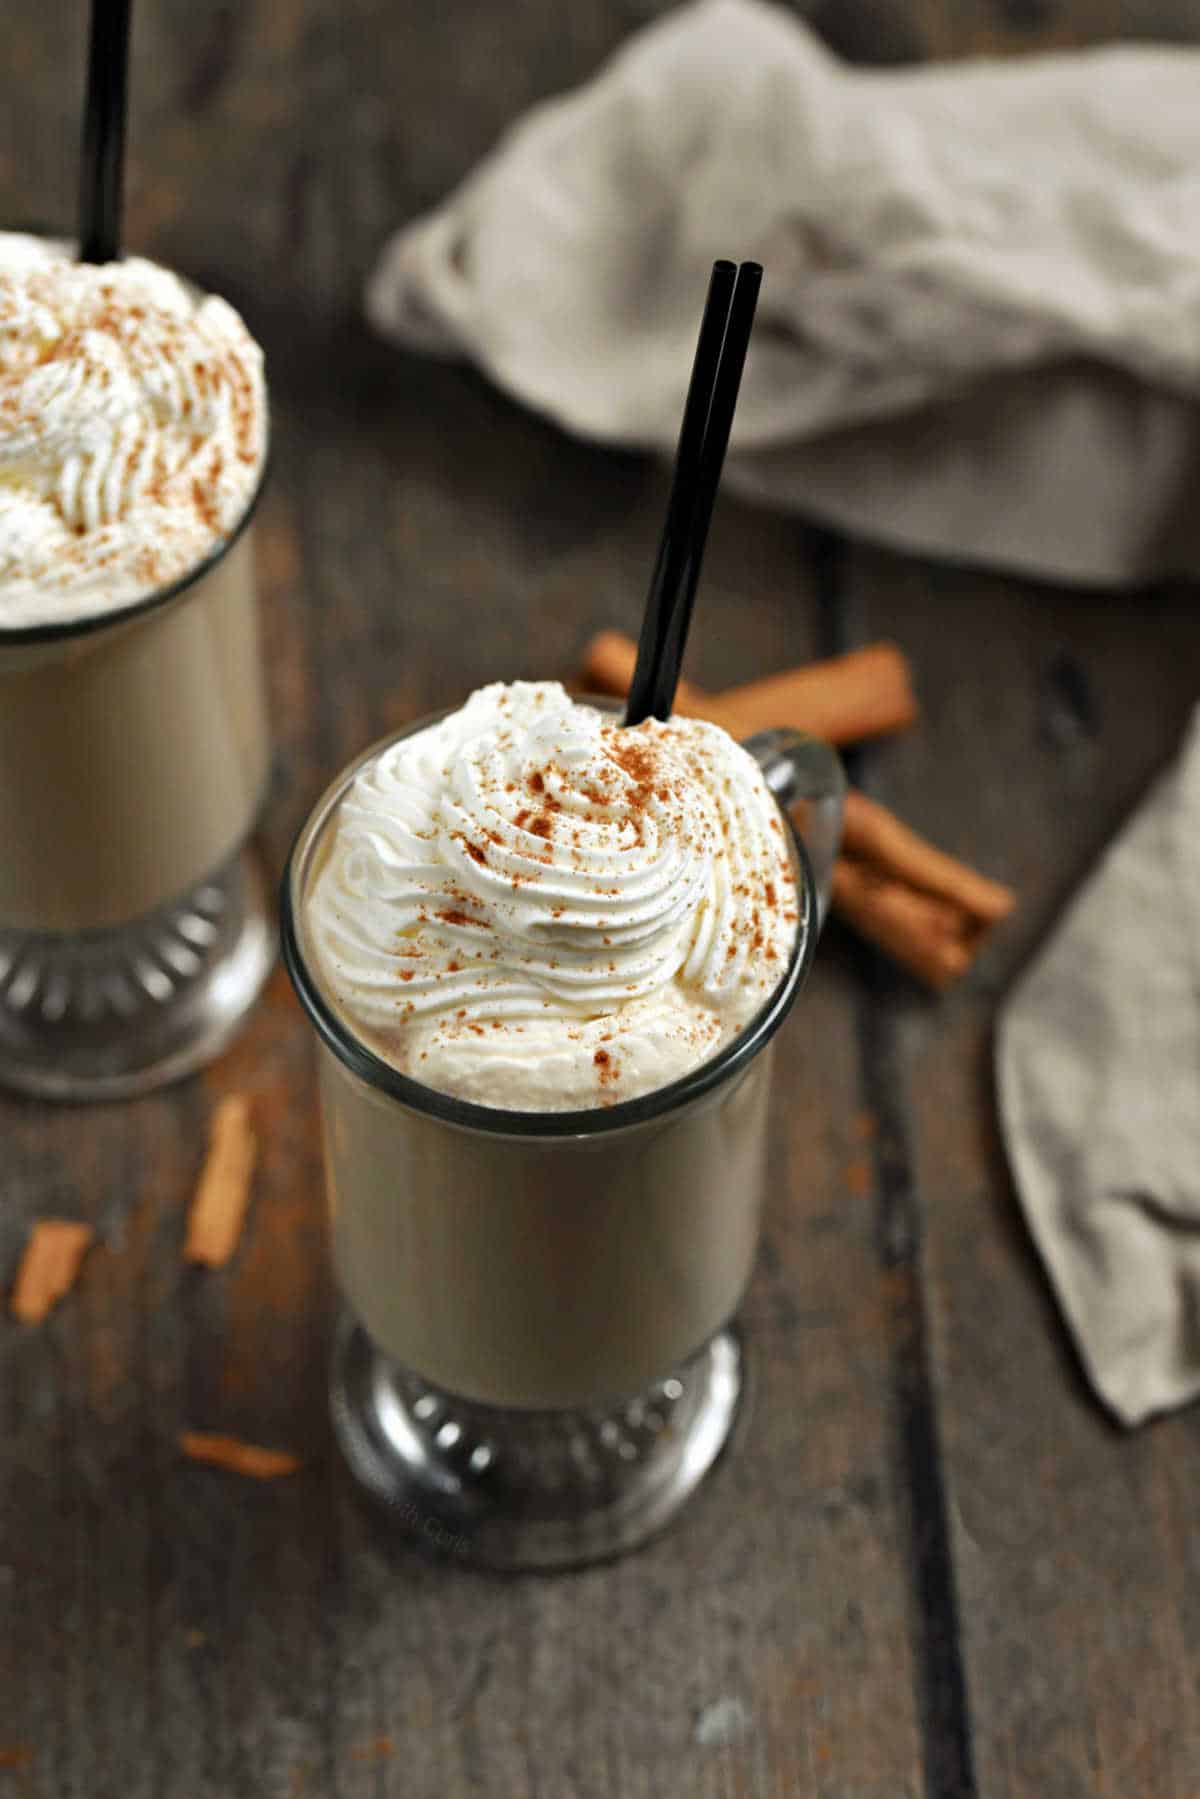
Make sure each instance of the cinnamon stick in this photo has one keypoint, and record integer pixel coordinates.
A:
(49, 1267)
(218, 1210)
(932, 938)
(925, 909)
(866, 693)
(875, 835)
(236, 1457)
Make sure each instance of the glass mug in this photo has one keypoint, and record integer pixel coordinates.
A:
(134, 754)
(534, 1365)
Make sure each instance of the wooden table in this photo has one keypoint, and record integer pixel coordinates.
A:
(934, 1567)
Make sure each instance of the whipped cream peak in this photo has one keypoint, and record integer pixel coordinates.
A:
(133, 426)
(532, 906)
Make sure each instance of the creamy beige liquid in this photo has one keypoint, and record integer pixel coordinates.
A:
(541, 1272)
(132, 757)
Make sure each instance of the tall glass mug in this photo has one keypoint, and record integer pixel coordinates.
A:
(535, 1365)
(134, 753)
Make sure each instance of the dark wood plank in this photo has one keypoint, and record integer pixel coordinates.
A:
(196, 1635)
(168, 1630)
(173, 1630)
(1046, 714)
(889, 1165)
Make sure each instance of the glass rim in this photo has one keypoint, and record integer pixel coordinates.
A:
(59, 630)
(501, 1121)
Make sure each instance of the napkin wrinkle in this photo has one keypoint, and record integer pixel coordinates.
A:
(925, 231)
(1098, 1070)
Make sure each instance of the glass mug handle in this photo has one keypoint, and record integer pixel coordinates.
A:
(806, 774)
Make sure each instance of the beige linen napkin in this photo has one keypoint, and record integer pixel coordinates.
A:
(979, 332)
(1098, 1061)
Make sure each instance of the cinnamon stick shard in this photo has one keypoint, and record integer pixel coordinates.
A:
(236, 1457)
(865, 693)
(218, 1209)
(49, 1267)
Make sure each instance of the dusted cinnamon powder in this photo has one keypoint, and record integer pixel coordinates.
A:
(611, 891)
(637, 759)
(155, 391)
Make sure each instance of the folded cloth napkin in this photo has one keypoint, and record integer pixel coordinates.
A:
(1098, 1061)
(979, 331)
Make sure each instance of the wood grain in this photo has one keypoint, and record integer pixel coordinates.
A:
(930, 1568)
(1072, 1582)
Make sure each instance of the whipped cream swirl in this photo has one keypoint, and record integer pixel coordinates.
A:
(531, 906)
(133, 423)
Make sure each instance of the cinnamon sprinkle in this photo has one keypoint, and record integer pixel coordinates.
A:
(176, 460)
(639, 763)
(205, 507)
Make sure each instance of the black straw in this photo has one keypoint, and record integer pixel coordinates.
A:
(703, 438)
(664, 580)
(103, 152)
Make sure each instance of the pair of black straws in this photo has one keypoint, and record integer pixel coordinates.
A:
(703, 437)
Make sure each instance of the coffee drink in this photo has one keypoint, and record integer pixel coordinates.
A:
(134, 748)
(533, 909)
(546, 955)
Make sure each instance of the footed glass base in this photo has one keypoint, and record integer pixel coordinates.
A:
(530, 1489)
(107, 1014)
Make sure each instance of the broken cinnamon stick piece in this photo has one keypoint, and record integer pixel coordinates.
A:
(49, 1267)
(866, 693)
(236, 1457)
(875, 835)
(932, 938)
(218, 1210)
